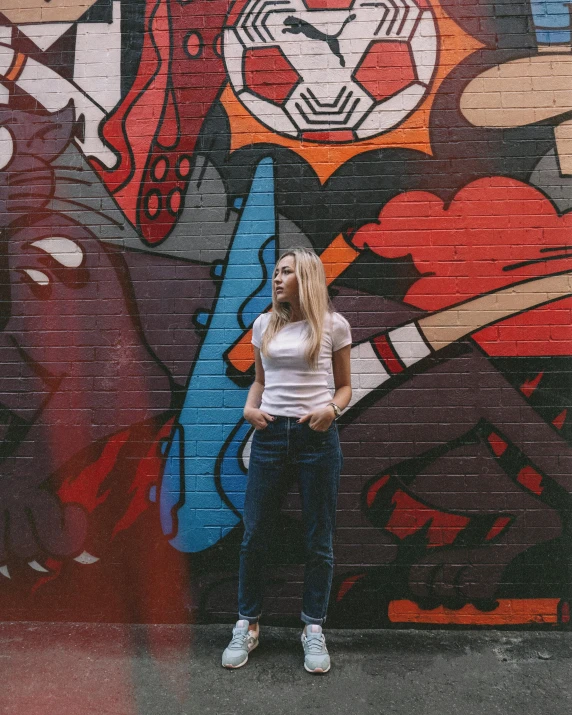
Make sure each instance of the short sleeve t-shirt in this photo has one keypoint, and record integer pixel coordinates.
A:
(291, 387)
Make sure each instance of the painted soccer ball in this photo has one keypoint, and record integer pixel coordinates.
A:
(331, 70)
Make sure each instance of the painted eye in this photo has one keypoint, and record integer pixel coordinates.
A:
(6, 147)
(63, 250)
(38, 277)
(38, 282)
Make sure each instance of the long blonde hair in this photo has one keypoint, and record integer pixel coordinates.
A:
(314, 303)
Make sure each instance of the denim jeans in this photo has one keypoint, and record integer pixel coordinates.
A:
(282, 452)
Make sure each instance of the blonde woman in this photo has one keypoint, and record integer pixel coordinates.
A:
(295, 433)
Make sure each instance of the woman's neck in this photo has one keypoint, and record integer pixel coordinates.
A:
(295, 313)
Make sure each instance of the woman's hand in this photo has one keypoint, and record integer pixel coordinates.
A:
(257, 418)
(320, 420)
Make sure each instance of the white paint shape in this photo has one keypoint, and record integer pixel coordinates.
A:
(45, 34)
(424, 46)
(97, 68)
(6, 58)
(37, 567)
(86, 559)
(5, 39)
(268, 113)
(4, 571)
(65, 251)
(390, 113)
(6, 147)
(54, 92)
(367, 372)
(37, 276)
(246, 451)
(408, 344)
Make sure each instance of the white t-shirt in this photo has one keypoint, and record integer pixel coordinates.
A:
(291, 387)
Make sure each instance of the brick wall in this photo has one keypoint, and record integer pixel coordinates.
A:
(156, 157)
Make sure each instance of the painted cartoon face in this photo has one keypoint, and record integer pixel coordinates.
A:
(285, 281)
(44, 10)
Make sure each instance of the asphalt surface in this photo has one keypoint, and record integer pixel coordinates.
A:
(82, 669)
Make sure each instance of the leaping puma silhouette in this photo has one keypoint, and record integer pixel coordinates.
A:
(297, 26)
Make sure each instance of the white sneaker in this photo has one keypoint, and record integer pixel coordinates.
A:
(243, 642)
(316, 658)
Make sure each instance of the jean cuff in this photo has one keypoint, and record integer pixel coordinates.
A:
(250, 619)
(312, 621)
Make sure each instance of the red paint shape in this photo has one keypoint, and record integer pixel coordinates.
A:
(175, 200)
(194, 44)
(564, 612)
(165, 108)
(330, 137)
(373, 490)
(386, 68)
(84, 489)
(498, 527)
(462, 250)
(347, 584)
(269, 74)
(498, 445)
(235, 11)
(560, 419)
(328, 4)
(184, 166)
(148, 473)
(530, 479)
(409, 516)
(160, 168)
(131, 128)
(381, 344)
(170, 129)
(529, 386)
(54, 568)
(153, 204)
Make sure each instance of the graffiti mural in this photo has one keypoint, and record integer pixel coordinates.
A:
(156, 157)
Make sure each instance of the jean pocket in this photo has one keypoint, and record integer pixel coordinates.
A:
(331, 428)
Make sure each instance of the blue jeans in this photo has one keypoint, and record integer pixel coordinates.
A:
(282, 452)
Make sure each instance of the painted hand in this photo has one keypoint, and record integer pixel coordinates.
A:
(34, 523)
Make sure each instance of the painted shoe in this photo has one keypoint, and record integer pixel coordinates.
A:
(242, 644)
(316, 658)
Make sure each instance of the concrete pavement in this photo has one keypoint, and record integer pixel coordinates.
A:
(85, 669)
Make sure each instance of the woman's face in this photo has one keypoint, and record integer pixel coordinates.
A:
(285, 281)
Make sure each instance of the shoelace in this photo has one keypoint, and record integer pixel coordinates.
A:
(315, 643)
(238, 639)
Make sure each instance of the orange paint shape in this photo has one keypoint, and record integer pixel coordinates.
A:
(336, 258)
(455, 45)
(510, 611)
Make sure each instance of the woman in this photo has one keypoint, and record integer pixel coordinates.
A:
(295, 433)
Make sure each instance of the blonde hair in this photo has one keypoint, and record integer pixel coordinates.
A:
(314, 303)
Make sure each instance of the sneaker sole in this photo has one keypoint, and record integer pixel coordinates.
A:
(244, 662)
(319, 671)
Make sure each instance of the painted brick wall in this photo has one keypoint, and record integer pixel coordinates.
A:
(156, 156)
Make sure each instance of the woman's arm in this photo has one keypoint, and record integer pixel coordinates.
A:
(252, 412)
(321, 419)
(341, 370)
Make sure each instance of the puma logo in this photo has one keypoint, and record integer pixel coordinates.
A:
(297, 26)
